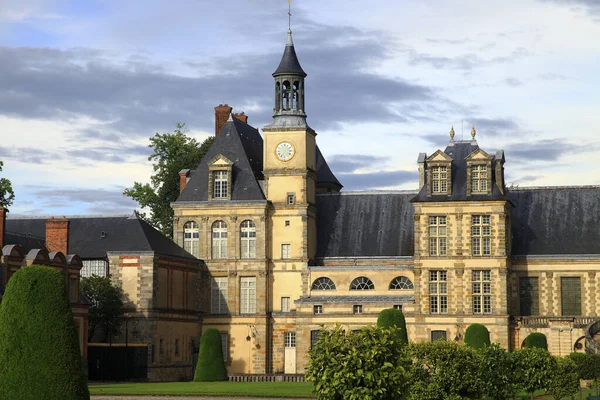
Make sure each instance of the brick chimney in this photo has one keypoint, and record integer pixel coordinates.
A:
(183, 179)
(57, 235)
(2, 227)
(222, 112)
(241, 116)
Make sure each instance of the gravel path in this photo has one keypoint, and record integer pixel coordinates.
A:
(186, 398)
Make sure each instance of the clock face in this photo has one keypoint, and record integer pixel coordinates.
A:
(285, 151)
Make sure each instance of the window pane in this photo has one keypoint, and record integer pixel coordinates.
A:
(571, 296)
(529, 296)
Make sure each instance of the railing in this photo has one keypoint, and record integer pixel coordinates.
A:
(534, 322)
(592, 346)
(266, 378)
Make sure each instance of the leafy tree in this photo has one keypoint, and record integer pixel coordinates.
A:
(211, 366)
(497, 372)
(536, 339)
(172, 153)
(445, 371)
(534, 367)
(477, 336)
(392, 318)
(587, 367)
(39, 348)
(564, 379)
(364, 365)
(106, 305)
(7, 195)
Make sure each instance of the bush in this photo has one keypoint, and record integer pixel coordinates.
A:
(392, 318)
(211, 366)
(368, 364)
(536, 339)
(39, 348)
(564, 380)
(587, 367)
(477, 336)
(496, 366)
(534, 368)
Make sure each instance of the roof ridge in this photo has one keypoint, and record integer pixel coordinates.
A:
(368, 192)
(76, 216)
(550, 187)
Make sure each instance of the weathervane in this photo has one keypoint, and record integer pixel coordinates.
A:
(290, 15)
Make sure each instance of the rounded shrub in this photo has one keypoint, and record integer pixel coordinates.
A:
(477, 336)
(39, 348)
(536, 339)
(211, 366)
(390, 318)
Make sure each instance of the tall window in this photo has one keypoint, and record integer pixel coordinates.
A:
(481, 235)
(191, 238)
(438, 292)
(439, 179)
(289, 339)
(362, 283)
(479, 178)
(286, 251)
(482, 292)
(570, 295)
(73, 292)
(248, 295)
(401, 283)
(219, 293)
(285, 304)
(225, 345)
(529, 298)
(219, 239)
(437, 236)
(248, 239)
(314, 337)
(220, 184)
(323, 283)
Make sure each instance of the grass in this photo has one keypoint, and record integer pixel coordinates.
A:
(257, 389)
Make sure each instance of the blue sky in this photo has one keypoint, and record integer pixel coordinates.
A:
(83, 85)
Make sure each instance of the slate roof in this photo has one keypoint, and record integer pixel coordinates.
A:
(122, 234)
(356, 299)
(289, 63)
(459, 150)
(365, 224)
(555, 220)
(324, 174)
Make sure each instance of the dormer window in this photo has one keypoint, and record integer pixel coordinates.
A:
(479, 173)
(439, 180)
(479, 178)
(439, 174)
(219, 178)
(220, 184)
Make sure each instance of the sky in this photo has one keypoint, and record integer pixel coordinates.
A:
(85, 84)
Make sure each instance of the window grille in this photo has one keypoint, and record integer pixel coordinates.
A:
(570, 296)
(220, 184)
(219, 240)
(191, 238)
(314, 337)
(286, 250)
(439, 180)
(285, 304)
(479, 178)
(362, 283)
(225, 345)
(401, 283)
(481, 235)
(437, 236)
(248, 295)
(318, 309)
(323, 283)
(357, 309)
(94, 267)
(438, 335)
(438, 292)
(219, 293)
(290, 339)
(482, 292)
(248, 239)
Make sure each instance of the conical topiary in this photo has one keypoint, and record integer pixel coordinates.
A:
(477, 336)
(391, 317)
(536, 339)
(39, 348)
(211, 366)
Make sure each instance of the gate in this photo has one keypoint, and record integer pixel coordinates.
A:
(117, 362)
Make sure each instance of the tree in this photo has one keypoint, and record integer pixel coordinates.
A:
(564, 379)
(211, 365)
(172, 153)
(7, 195)
(534, 366)
(392, 318)
(445, 371)
(106, 305)
(587, 367)
(39, 346)
(497, 372)
(477, 336)
(536, 339)
(364, 365)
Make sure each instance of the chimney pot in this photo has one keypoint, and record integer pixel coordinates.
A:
(183, 179)
(222, 112)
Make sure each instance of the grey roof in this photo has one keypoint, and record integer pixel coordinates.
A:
(289, 62)
(324, 174)
(241, 144)
(122, 234)
(555, 220)
(363, 224)
(459, 151)
(356, 299)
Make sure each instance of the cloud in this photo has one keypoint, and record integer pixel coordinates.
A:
(544, 150)
(349, 163)
(107, 201)
(590, 6)
(377, 180)
(514, 82)
(464, 62)
(80, 155)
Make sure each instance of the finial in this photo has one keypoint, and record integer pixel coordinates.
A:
(473, 132)
(289, 15)
(452, 133)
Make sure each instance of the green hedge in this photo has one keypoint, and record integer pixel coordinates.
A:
(536, 339)
(211, 366)
(477, 336)
(391, 317)
(39, 347)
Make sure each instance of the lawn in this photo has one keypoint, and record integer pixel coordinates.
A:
(258, 389)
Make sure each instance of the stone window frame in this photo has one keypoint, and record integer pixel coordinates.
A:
(248, 243)
(472, 162)
(481, 285)
(192, 228)
(357, 309)
(438, 291)
(439, 239)
(286, 251)
(227, 166)
(431, 164)
(248, 295)
(223, 293)
(287, 302)
(318, 309)
(483, 238)
(222, 248)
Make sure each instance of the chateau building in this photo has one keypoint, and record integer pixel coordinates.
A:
(286, 252)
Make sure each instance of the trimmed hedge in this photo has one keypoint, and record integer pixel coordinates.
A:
(391, 317)
(39, 346)
(536, 339)
(211, 366)
(477, 336)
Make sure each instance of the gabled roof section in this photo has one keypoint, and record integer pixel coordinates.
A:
(241, 144)
(121, 234)
(324, 174)
(479, 154)
(555, 220)
(439, 156)
(365, 224)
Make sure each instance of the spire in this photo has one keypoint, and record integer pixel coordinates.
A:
(289, 62)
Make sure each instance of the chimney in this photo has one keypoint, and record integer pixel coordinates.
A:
(421, 163)
(2, 227)
(183, 179)
(222, 112)
(57, 235)
(241, 116)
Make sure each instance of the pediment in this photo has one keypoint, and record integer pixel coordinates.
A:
(220, 161)
(439, 156)
(479, 155)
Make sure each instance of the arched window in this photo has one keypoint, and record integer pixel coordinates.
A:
(248, 239)
(191, 238)
(323, 283)
(219, 239)
(362, 283)
(401, 283)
